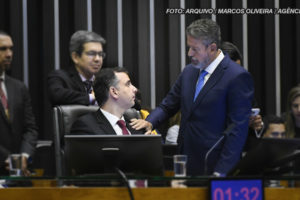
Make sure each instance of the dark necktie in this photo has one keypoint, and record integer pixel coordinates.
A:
(3, 99)
(200, 83)
(122, 125)
(88, 85)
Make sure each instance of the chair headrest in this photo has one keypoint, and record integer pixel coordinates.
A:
(69, 113)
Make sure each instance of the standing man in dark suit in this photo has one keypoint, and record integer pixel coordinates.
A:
(74, 86)
(214, 119)
(114, 94)
(18, 131)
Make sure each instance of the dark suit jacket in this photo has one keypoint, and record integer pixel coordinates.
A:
(95, 123)
(223, 105)
(66, 87)
(18, 134)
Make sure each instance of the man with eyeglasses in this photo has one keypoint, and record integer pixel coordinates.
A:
(74, 86)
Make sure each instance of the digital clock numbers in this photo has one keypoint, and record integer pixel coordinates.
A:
(222, 189)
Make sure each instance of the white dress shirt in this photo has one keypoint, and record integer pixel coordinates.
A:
(212, 66)
(113, 121)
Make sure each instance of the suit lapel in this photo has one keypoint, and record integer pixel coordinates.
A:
(212, 81)
(77, 80)
(10, 98)
(3, 113)
(191, 87)
(104, 124)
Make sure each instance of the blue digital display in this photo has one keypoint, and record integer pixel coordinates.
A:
(236, 189)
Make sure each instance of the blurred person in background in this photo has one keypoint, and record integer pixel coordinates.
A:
(292, 114)
(18, 130)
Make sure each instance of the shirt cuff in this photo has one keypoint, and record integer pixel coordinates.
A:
(26, 155)
(217, 174)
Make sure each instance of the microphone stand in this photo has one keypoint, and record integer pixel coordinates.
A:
(209, 151)
(226, 132)
(126, 182)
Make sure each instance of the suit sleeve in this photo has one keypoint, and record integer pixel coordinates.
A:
(168, 107)
(61, 91)
(30, 133)
(238, 110)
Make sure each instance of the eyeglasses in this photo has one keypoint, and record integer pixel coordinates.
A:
(95, 53)
(6, 48)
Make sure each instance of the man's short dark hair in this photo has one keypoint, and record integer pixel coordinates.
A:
(79, 38)
(232, 50)
(272, 119)
(104, 80)
(206, 30)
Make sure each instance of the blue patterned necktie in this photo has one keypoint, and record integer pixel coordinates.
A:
(200, 83)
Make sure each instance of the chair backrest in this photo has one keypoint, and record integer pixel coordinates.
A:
(63, 118)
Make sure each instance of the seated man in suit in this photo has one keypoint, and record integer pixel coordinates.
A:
(114, 94)
(18, 131)
(74, 86)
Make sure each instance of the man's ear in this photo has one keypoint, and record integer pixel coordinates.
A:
(74, 57)
(114, 92)
(213, 47)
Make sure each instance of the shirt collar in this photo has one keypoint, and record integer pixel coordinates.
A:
(2, 76)
(111, 118)
(84, 79)
(213, 65)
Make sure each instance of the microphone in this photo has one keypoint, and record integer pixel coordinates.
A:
(130, 114)
(225, 133)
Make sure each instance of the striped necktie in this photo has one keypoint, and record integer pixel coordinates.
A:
(3, 99)
(122, 125)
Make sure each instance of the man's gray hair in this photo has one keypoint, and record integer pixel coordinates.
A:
(206, 30)
(79, 38)
(4, 33)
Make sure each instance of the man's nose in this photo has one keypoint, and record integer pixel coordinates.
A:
(8, 52)
(190, 52)
(97, 57)
(134, 89)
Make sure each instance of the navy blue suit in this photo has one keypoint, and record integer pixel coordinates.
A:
(224, 104)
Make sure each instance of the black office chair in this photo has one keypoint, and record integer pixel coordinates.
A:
(63, 118)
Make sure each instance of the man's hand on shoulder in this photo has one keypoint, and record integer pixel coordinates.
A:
(139, 124)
